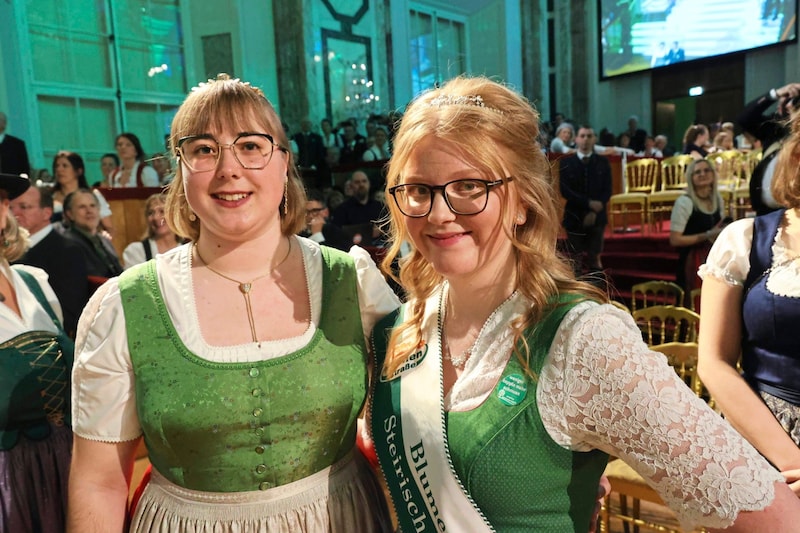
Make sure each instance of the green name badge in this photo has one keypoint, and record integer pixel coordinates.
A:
(512, 389)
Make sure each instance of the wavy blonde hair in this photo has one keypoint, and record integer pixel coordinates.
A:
(496, 130)
(786, 181)
(213, 106)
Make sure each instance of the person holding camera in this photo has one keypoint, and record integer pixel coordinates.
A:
(771, 130)
(750, 307)
(697, 219)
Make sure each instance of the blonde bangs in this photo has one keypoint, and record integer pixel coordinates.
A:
(217, 105)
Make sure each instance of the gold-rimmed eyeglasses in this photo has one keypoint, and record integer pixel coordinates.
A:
(253, 151)
(463, 197)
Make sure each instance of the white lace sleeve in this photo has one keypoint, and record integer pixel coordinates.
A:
(729, 258)
(602, 388)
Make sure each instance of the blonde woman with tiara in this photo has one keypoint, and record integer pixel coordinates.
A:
(504, 384)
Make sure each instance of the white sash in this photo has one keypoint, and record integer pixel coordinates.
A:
(425, 445)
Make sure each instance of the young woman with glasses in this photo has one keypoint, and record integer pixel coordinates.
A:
(503, 383)
(240, 357)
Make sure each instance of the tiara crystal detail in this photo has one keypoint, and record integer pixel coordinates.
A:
(474, 100)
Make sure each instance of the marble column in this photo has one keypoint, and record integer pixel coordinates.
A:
(291, 57)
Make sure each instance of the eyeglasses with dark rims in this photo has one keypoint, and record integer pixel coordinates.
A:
(463, 197)
(253, 151)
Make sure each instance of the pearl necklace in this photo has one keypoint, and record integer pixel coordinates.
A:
(245, 286)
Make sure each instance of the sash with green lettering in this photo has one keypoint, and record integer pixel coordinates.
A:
(425, 490)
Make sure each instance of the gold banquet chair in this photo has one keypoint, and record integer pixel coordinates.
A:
(740, 206)
(731, 168)
(661, 324)
(671, 185)
(751, 160)
(627, 483)
(640, 179)
(732, 176)
(682, 356)
(656, 292)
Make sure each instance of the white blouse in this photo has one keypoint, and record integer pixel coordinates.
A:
(682, 211)
(149, 177)
(375, 153)
(103, 391)
(34, 317)
(134, 253)
(729, 259)
(601, 387)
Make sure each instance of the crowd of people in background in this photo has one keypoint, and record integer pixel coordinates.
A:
(62, 224)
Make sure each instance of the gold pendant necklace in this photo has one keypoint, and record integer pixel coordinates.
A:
(245, 286)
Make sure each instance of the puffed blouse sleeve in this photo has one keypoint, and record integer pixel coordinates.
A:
(42, 278)
(134, 254)
(601, 387)
(103, 395)
(102, 203)
(681, 211)
(729, 258)
(376, 298)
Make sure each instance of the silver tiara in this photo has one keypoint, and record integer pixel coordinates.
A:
(475, 100)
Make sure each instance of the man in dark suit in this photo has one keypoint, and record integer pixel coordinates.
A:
(636, 134)
(13, 154)
(318, 228)
(53, 253)
(771, 129)
(309, 146)
(585, 182)
(353, 145)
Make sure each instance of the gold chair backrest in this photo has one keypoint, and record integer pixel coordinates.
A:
(694, 299)
(752, 159)
(641, 175)
(682, 356)
(661, 324)
(673, 172)
(655, 292)
(731, 167)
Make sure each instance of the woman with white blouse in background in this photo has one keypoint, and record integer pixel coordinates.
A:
(159, 237)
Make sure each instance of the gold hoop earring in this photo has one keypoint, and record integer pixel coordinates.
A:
(192, 216)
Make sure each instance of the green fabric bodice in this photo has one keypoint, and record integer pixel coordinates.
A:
(233, 427)
(521, 479)
(35, 378)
